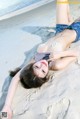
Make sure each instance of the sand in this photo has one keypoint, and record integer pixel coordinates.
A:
(19, 38)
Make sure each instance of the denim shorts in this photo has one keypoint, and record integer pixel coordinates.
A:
(74, 26)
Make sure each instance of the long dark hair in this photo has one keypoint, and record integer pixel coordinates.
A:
(27, 77)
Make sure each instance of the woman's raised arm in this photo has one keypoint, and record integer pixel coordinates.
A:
(67, 53)
(12, 89)
(10, 95)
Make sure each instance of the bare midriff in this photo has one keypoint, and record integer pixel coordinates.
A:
(60, 42)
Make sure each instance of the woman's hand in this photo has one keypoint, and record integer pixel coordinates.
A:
(54, 55)
(8, 110)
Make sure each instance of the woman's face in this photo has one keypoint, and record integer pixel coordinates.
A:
(40, 68)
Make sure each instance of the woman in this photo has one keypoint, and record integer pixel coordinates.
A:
(52, 55)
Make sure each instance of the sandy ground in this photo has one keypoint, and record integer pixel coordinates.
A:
(15, 40)
(18, 37)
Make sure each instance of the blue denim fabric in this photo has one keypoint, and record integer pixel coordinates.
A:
(74, 26)
(60, 27)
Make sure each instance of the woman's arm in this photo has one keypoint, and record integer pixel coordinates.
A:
(13, 86)
(12, 89)
(9, 98)
(62, 63)
(68, 53)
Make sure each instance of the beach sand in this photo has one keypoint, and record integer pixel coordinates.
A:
(19, 38)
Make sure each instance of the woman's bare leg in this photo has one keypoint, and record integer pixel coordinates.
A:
(63, 12)
(70, 19)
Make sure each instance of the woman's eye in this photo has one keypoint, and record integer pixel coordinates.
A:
(43, 71)
(36, 67)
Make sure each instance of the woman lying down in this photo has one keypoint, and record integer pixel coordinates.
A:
(51, 55)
